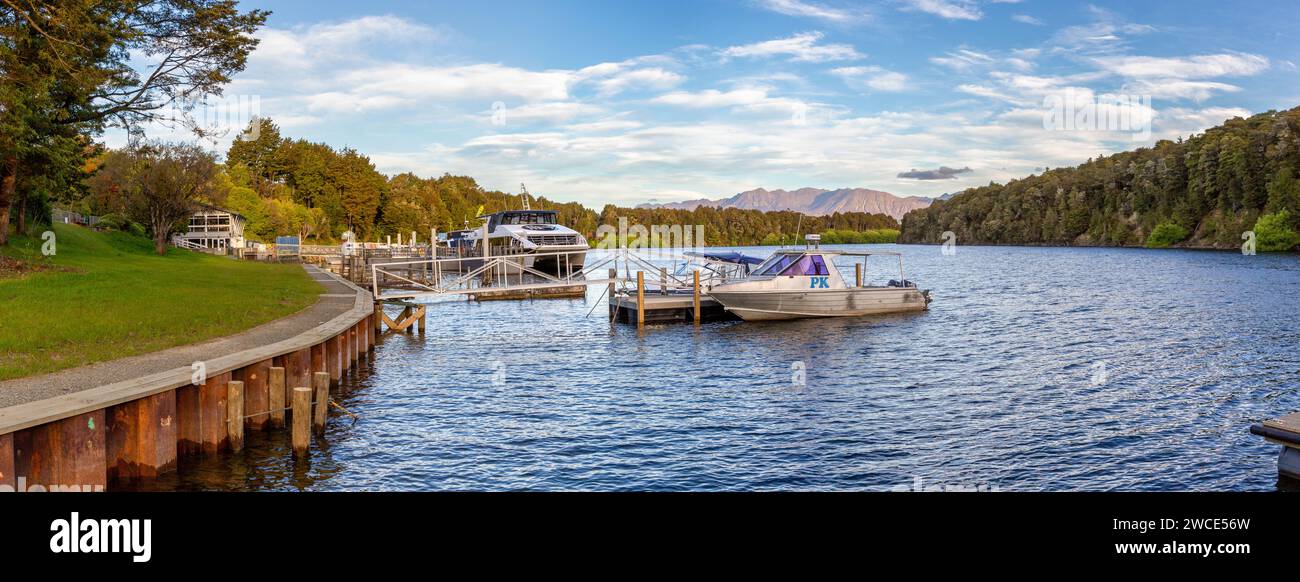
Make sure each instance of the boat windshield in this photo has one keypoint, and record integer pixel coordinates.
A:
(807, 265)
(528, 218)
(776, 264)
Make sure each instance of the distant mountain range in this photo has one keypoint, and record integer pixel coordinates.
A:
(812, 201)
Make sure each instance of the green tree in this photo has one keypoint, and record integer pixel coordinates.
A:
(1273, 232)
(67, 69)
(258, 148)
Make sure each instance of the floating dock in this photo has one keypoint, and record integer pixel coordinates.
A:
(670, 308)
(1284, 431)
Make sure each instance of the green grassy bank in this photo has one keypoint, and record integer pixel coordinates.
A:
(107, 295)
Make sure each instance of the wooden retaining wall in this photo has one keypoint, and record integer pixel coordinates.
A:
(142, 428)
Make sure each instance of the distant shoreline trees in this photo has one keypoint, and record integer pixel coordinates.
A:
(1205, 191)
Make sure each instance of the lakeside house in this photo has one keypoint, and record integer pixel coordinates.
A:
(213, 229)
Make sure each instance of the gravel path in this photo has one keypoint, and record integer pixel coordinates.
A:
(336, 299)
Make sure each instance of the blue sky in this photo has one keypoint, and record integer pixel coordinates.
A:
(631, 101)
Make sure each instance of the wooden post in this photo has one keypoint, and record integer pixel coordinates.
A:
(298, 368)
(698, 316)
(301, 420)
(235, 414)
(257, 394)
(64, 455)
(332, 361)
(857, 269)
(83, 439)
(609, 293)
(318, 358)
(276, 402)
(355, 344)
(213, 433)
(663, 281)
(321, 382)
(379, 318)
(344, 351)
(640, 298)
(424, 321)
(141, 438)
(187, 421)
(8, 481)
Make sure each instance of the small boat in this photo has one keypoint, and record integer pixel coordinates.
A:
(798, 283)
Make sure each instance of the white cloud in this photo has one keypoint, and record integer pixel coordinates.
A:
(801, 47)
(949, 9)
(1027, 19)
(649, 72)
(873, 77)
(963, 59)
(814, 10)
(1107, 33)
(1176, 89)
(1193, 67)
(554, 112)
(712, 98)
(491, 82)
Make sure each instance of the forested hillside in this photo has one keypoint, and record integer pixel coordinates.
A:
(1204, 191)
(287, 186)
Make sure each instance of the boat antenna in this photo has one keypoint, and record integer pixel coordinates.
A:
(798, 229)
(525, 196)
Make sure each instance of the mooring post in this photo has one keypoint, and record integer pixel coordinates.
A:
(698, 315)
(276, 400)
(321, 381)
(640, 298)
(235, 414)
(663, 281)
(301, 420)
(857, 268)
(379, 318)
(424, 322)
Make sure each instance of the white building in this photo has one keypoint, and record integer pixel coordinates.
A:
(214, 230)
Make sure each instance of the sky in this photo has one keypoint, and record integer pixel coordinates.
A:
(636, 101)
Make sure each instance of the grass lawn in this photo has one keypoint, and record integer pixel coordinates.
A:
(107, 295)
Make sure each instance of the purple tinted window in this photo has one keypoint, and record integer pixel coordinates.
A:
(778, 265)
(807, 265)
(820, 265)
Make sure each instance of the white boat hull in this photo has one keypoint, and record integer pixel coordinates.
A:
(767, 304)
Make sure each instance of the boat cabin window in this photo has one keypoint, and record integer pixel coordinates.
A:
(776, 264)
(527, 218)
(807, 265)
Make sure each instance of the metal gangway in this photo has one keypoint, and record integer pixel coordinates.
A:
(475, 275)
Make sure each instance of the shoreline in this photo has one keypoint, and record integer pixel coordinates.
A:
(141, 423)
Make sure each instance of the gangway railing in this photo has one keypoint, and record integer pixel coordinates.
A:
(399, 280)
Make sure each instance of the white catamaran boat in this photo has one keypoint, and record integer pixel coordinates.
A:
(798, 283)
(542, 243)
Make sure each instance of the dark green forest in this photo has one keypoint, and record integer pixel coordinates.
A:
(1202, 192)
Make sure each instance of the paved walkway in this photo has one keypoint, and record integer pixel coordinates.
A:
(336, 299)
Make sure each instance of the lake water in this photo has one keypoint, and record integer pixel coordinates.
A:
(1034, 369)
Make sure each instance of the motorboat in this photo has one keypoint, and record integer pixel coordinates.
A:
(799, 283)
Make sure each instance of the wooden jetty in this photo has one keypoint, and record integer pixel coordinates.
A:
(1284, 431)
(671, 308)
